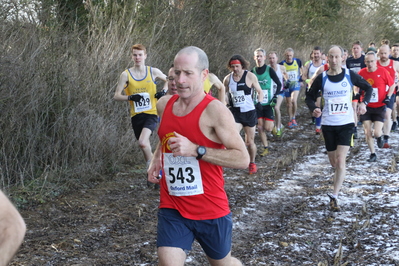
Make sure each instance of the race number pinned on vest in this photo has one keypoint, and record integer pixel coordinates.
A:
(183, 175)
(144, 104)
(374, 96)
(292, 75)
(265, 97)
(339, 106)
(238, 98)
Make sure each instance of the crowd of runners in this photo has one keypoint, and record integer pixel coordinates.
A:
(198, 135)
(255, 96)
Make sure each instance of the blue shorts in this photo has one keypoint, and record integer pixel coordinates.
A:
(213, 235)
(392, 102)
(288, 92)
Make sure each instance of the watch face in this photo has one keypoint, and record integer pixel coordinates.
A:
(201, 150)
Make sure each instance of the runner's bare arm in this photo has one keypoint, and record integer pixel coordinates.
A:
(123, 80)
(255, 84)
(305, 70)
(156, 164)
(158, 74)
(12, 230)
(219, 85)
(226, 88)
(216, 123)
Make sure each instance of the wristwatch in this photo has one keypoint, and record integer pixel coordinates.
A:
(201, 150)
(365, 103)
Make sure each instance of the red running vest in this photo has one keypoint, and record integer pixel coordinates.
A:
(212, 203)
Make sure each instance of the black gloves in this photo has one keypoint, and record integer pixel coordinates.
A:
(159, 94)
(135, 97)
(387, 100)
(287, 84)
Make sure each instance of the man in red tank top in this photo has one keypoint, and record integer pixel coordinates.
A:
(393, 68)
(196, 142)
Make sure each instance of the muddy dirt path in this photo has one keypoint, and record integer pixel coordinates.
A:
(281, 214)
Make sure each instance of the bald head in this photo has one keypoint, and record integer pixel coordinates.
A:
(335, 57)
(202, 62)
(384, 52)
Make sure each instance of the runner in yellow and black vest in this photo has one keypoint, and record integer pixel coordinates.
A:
(293, 66)
(138, 84)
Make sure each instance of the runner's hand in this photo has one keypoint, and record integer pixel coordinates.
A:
(273, 101)
(287, 84)
(387, 100)
(135, 97)
(159, 94)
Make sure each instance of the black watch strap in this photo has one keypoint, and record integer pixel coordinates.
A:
(201, 150)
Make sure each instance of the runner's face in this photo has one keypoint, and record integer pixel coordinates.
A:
(171, 82)
(356, 51)
(383, 53)
(345, 56)
(272, 59)
(335, 58)
(259, 58)
(189, 79)
(289, 57)
(371, 63)
(236, 68)
(316, 55)
(138, 57)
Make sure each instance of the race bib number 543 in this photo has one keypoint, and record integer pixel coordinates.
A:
(183, 175)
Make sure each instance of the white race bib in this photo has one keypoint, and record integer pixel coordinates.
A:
(265, 97)
(339, 106)
(238, 98)
(293, 75)
(144, 104)
(183, 175)
(374, 96)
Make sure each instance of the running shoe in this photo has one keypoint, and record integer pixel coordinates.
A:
(274, 131)
(294, 124)
(380, 142)
(394, 126)
(252, 168)
(373, 158)
(265, 151)
(334, 203)
(290, 124)
(386, 144)
(280, 131)
(318, 131)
